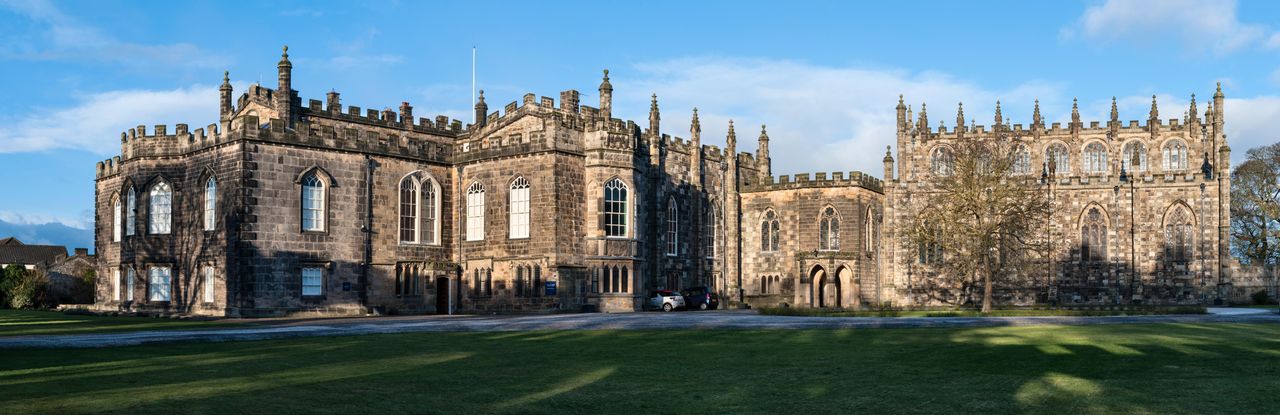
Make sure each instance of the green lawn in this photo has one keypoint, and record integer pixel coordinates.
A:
(1157, 369)
(1017, 312)
(24, 322)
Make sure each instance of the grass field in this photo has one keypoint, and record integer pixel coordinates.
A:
(1157, 368)
(1101, 311)
(24, 323)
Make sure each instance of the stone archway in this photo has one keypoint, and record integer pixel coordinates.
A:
(849, 297)
(826, 288)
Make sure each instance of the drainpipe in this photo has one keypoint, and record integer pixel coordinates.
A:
(367, 229)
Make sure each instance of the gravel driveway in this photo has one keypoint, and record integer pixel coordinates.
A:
(735, 319)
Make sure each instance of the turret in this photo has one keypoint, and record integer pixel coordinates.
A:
(1075, 118)
(923, 124)
(482, 110)
(695, 144)
(1153, 118)
(606, 97)
(763, 164)
(654, 117)
(225, 107)
(1217, 116)
(284, 89)
(888, 164)
(1114, 124)
(902, 115)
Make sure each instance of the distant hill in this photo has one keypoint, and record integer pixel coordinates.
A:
(49, 234)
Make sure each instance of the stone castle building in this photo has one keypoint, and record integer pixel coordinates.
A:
(283, 207)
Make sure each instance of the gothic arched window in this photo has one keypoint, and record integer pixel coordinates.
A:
(313, 209)
(518, 217)
(1061, 158)
(870, 227)
(160, 209)
(1178, 236)
(475, 212)
(1021, 160)
(1093, 236)
(116, 220)
(410, 192)
(710, 230)
(1134, 150)
(1095, 158)
(430, 205)
(673, 227)
(829, 230)
(769, 232)
(943, 161)
(210, 204)
(131, 213)
(615, 208)
(1175, 155)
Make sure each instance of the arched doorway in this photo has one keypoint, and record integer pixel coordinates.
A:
(826, 289)
(442, 295)
(845, 278)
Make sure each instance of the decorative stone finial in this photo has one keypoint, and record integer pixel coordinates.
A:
(1115, 114)
(1035, 115)
(1155, 112)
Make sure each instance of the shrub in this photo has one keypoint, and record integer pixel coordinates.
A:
(28, 290)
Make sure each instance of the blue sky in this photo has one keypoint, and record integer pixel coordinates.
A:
(823, 75)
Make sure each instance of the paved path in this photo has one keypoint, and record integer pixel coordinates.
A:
(736, 319)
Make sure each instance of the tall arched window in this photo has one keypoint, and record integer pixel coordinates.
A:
(869, 228)
(475, 212)
(616, 282)
(131, 213)
(116, 220)
(210, 204)
(410, 193)
(1061, 158)
(1095, 158)
(313, 209)
(710, 230)
(615, 208)
(1175, 155)
(1134, 150)
(160, 209)
(829, 230)
(673, 227)
(430, 233)
(769, 231)
(625, 286)
(1021, 160)
(1178, 236)
(518, 222)
(943, 161)
(1093, 236)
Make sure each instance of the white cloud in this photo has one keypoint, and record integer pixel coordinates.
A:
(1197, 24)
(41, 219)
(96, 122)
(66, 38)
(819, 118)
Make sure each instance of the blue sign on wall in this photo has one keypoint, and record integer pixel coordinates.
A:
(551, 288)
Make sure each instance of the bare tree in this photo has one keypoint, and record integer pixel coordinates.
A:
(982, 220)
(1255, 207)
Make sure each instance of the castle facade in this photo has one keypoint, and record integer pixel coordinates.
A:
(284, 207)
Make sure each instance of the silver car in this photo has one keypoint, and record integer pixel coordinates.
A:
(665, 300)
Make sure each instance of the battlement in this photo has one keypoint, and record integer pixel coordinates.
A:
(136, 142)
(819, 180)
(402, 119)
(569, 114)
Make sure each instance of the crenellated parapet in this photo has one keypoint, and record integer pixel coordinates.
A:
(136, 142)
(360, 140)
(818, 180)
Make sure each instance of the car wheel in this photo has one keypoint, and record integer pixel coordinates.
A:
(702, 306)
(667, 307)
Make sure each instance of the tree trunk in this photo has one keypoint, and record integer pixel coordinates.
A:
(986, 288)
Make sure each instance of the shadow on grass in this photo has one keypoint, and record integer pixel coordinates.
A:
(1166, 368)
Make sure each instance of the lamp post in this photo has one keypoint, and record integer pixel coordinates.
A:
(1051, 168)
(1133, 253)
